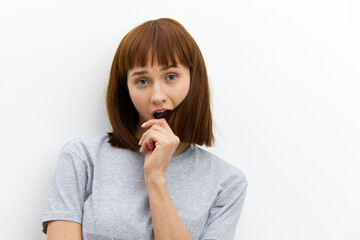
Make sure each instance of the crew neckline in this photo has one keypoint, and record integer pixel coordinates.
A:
(185, 154)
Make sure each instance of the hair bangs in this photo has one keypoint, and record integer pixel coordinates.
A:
(156, 43)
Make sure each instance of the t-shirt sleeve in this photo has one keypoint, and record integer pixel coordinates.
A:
(67, 192)
(226, 209)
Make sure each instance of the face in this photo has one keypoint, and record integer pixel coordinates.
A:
(156, 88)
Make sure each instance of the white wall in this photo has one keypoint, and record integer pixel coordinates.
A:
(286, 91)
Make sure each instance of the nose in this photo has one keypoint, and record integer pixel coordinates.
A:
(158, 95)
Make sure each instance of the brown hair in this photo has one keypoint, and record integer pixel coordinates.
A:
(167, 41)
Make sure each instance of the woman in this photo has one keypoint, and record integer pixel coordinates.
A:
(148, 178)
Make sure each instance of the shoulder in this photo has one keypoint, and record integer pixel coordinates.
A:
(218, 167)
(85, 148)
(85, 142)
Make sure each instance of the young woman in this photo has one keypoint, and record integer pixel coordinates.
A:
(148, 179)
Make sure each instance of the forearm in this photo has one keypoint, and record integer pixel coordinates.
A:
(165, 219)
(63, 230)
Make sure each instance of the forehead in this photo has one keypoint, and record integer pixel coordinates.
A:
(150, 56)
(154, 62)
(155, 68)
(154, 58)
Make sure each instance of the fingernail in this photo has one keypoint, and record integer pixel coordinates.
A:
(142, 124)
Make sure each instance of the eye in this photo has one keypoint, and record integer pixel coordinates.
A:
(171, 77)
(142, 82)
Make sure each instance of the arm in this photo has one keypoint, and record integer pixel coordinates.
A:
(160, 143)
(64, 230)
(66, 197)
(166, 221)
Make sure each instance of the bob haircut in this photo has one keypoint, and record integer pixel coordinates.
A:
(166, 41)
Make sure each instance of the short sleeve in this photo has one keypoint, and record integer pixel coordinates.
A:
(225, 211)
(67, 192)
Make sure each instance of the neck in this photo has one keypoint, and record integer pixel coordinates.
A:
(181, 148)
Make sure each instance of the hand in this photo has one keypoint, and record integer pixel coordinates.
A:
(160, 143)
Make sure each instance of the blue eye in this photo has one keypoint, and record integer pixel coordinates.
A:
(142, 81)
(171, 77)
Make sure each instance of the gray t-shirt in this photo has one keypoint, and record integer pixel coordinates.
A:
(103, 188)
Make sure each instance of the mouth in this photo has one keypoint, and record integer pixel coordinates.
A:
(165, 113)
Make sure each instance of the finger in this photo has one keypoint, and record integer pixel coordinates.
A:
(150, 144)
(150, 137)
(161, 122)
(150, 141)
(144, 145)
(154, 127)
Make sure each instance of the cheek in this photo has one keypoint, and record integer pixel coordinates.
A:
(136, 98)
(182, 92)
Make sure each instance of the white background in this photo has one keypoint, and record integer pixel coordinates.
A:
(285, 83)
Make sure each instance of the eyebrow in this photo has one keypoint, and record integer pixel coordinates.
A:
(163, 69)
